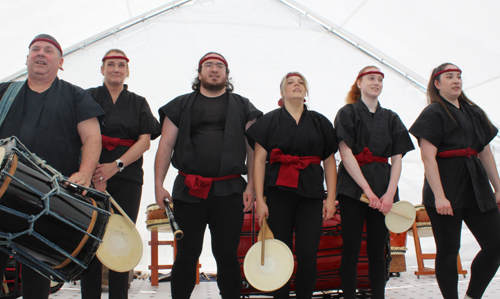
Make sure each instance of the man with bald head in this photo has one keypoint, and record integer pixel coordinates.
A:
(55, 120)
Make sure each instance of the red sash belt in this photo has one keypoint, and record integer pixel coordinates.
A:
(366, 157)
(458, 153)
(110, 143)
(288, 175)
(200, 186)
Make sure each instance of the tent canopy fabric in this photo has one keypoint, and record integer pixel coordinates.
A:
(262, 41)
(265, 39)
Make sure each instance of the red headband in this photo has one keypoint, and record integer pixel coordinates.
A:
(370, 72)
(293, 74)
(446, 71)
(213, 57)
(290, 75)
(115, 57)
(46, 40)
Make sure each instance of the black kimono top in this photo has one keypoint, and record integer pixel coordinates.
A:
(383, 133)
(128, 118)
(312, 136)
(51, 132)
(239, 112)
(464, 180)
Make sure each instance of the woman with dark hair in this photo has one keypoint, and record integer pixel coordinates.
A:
(454, 136)
(368, 135)
(290, 143)
(126, 129)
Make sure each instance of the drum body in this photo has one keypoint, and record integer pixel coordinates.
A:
(398, 250)
(58, 222)
(328, 256)
(423, 223)
(398, 243)
(156, 219)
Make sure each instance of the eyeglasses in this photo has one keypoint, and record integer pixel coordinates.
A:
(219, 66)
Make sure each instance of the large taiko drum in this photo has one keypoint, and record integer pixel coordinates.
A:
(45, 224)
(328, 257)
(156, 219)
(423, 223)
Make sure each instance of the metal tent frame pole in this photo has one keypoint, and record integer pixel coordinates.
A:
(359, 44)
(110, 32)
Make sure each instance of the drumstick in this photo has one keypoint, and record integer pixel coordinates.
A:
(262, 251)
(365, 199)
(117, 206)
(178, 234)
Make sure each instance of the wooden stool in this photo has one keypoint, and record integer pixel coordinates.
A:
(428, 256)
(154, 267)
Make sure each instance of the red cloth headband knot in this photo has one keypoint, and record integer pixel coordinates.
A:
(46, 40)
(213, 57)
(446, 71)
(370, 72)
(115, 57)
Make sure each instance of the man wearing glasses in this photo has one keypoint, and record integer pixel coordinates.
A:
(205, 131)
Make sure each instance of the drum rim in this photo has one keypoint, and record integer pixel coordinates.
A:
(256, 248)
(84, 240)
(153, 207)
(12, 171)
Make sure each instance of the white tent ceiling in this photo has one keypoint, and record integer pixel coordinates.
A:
(418, 34)
(263, 40)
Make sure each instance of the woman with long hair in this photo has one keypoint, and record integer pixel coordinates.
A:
(290, 143)
(126, 130)
(368, 135)
(454, 136)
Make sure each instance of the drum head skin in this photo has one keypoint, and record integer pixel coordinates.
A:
(396, 223)
(277, 269)
(121, 248)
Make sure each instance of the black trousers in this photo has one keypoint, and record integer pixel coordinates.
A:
(447, 234)
(128, 195)
(289, 211)
(224, 216)
(354, 214)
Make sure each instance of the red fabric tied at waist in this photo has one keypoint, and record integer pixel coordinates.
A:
(366, 157)
(288, 175)
(200, 186)
(110, 143)
(458, 153)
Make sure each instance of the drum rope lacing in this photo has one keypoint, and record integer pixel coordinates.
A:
(55, 178)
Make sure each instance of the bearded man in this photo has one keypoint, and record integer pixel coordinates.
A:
(205, 131)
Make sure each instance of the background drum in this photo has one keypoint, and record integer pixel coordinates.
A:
(156, 219)
(44, 223)
(398, 250)
(423, 223)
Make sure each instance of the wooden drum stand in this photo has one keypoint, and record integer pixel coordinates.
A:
(422, 225)
(157, 222)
